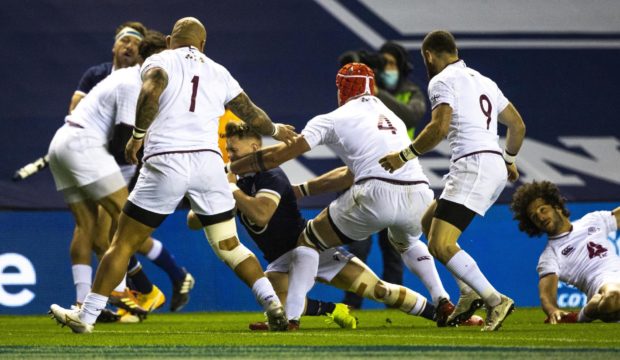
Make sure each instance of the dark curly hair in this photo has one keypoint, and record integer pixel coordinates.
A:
(241, 130)
(153, 42)
(523, 197)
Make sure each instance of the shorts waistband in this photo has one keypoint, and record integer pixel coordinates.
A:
(391, 181)
(478, 152)
(180, 152)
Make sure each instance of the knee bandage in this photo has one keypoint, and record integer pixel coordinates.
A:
(225, 243)
(368, 285)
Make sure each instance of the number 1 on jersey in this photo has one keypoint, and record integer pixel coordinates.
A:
(195, 80)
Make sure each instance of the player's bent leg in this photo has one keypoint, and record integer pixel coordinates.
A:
(609, 304)
(279, 281)
(442, 240)
(104, 232)
(360, 279)
(427, 218)
(221, 232)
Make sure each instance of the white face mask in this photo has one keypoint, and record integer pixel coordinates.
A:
(390, 78)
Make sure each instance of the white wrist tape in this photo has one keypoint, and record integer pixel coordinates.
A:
(276, 129)
(233, 187)
(509, 158)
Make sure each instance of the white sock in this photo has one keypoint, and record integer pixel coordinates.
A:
(93, 304)
(155, 250)
(82, 279)
(263, 292)
(464, 267)
(421, 262)
(122, 285)
(302, 272)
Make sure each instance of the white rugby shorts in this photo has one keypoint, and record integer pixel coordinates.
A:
(374, 205)
(79, 158)
(476, 181)
(331, 262)
(166, 178)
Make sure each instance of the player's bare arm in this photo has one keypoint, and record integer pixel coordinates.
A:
(269, 157)
(154, 82)
(259, 209)
(335, 180)
(430, 136)
(547, 289)
(254, 116)
(514, 138)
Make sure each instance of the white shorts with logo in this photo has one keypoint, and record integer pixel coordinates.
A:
(476, 181)
(374, 205)
(165, 179)
(607, 277)
(331, 262)
(79, 158)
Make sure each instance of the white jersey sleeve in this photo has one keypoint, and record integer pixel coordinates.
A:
(501, 100)
(548, 263)
(440, 93)
(154, 61)
(232, 86)
(319, 131)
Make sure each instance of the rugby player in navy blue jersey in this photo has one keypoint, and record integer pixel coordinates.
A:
(268, 210)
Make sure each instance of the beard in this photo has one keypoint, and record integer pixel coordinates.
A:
(431, 70)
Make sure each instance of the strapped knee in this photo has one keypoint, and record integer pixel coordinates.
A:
(224, 242)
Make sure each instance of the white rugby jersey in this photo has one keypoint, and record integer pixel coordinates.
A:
(475, 101)
(112, 101)
(361, 132)
(582, 255)
(192, 103)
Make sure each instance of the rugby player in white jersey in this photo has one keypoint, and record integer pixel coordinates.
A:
(89, 177)
(466, 107)
(360, 130)
(578, 252)
(183, 95)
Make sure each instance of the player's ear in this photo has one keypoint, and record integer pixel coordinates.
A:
(168, 38)
(255, 147)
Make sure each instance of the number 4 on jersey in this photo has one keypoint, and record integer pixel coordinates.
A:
(385, 124)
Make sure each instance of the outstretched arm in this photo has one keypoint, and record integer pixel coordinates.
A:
(254, 116)
(269, 157)
(332, 181)
(430, 136)
(548, 291)
(154, 82)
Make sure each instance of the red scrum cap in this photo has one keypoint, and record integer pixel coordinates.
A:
(354, 79)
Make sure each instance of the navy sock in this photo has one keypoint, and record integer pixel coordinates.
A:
(138, 278)
(429, 311)
(318, 307)
(166, 262)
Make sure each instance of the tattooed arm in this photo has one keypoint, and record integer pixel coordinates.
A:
(154, 82)
(254, 116)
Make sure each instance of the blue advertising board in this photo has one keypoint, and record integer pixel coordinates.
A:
(35, 267)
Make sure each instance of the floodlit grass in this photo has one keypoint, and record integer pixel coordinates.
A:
(387, 333)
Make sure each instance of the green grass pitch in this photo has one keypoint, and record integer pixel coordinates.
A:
(381, 334)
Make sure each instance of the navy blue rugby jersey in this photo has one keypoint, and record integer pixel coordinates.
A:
(93, 76)
(280, 234)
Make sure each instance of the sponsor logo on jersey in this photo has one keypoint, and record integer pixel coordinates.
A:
(422, 258)
(568, 250)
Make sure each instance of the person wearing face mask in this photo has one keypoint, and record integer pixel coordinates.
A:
(396, 90)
